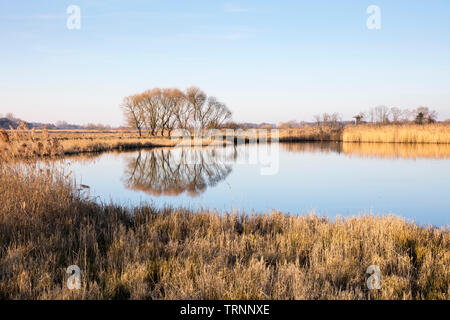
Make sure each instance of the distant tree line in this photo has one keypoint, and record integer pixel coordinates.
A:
(330, 119)
(383, 114)
(9, 120)
(160, 111)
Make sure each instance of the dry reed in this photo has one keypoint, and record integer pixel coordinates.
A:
(408, 133)
(46, 225)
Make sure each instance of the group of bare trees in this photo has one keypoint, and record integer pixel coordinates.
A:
(332, 119)
(383, 114)
(160, 111)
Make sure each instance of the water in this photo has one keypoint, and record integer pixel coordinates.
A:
(412, 181)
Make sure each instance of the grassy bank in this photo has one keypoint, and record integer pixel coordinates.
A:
(373, 133)
(46, 226)
(23, 143)
(311, 133)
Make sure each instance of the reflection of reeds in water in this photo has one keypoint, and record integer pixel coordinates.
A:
(312, 147)
(379, 150)
(398, 150)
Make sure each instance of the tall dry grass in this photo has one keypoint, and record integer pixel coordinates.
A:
(311, 133)
(46, 225)
(394, 133)
(25, 143)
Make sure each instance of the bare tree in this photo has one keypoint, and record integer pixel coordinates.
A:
(407, 115)
(326, 118)
(151, 106)
(183, 112)
(396, 114)
(382, 114)
(372, 115)
(170, 100)
(317, 119)
(133, 112)
(216, 114)
(196, 99)
(207, 112)
(335, 118)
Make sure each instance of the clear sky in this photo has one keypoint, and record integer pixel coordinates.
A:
(267, 60)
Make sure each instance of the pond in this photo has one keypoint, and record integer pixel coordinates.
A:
(408, 180)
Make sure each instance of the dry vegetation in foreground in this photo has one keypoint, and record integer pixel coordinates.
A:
(408, 133)
(46, 226)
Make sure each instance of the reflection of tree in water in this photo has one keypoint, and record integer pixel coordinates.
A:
(172, 172)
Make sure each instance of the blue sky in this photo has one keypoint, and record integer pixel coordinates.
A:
(267, 60)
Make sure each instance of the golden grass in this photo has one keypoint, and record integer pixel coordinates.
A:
(46, 225)
(24, 143)
(311, 133)
(409, 133)
(73, 146)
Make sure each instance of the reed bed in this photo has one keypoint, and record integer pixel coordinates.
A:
(24, 143)
(73, 146)
(47, 224)
(408, 133)
(311, 133)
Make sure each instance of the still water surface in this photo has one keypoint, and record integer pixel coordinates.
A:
(412, 181)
